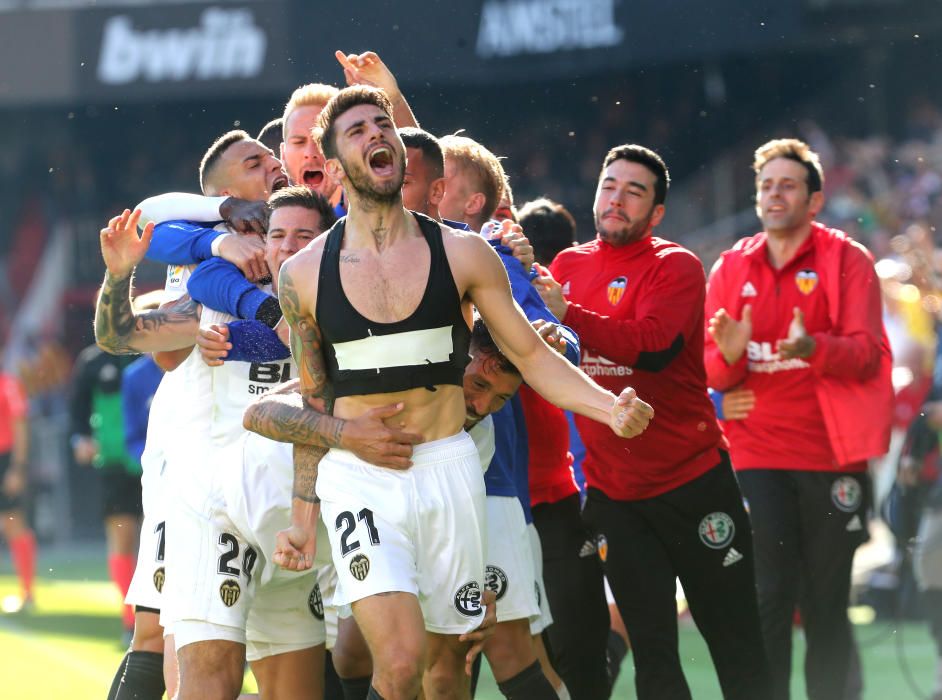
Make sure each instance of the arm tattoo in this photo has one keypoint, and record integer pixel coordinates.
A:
(306, 347)
(119, 331)
(114, 319)
(306, 461)
(285, 418)
(306, 343)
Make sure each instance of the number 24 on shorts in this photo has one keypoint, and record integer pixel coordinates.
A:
(347, 523)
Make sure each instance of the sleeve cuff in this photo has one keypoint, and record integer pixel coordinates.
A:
(250, 302)
(217, 242)
(571, 317)
(818, 359)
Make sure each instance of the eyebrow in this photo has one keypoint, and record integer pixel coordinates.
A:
(254, 157)
(299, 230)
(358, 122)
(631, 183)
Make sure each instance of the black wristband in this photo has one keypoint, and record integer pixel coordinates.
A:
(269, 312)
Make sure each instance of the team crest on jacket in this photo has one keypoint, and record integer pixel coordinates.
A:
(806, 280)
(717, 530)
(846, 493)
(616, 290)
(159, 578)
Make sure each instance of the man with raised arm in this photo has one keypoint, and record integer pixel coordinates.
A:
(223, 599)
(379, 311)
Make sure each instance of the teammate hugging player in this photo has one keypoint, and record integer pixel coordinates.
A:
(382, 303)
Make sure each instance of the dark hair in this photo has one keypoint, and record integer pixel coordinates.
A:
(432, 155)
(214, 154)
(482, 343)
(549, 226)
(346, 99)
(795, 150)
(301, 196)
(270, 135)
(644, 156)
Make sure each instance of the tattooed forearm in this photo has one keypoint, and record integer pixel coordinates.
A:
(120, 331)
(306, 340)
(306, 461)
(285, 418)
(114, 318)
(292, 416)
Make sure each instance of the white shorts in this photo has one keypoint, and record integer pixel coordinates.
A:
(150, 572)
(327, 582)
(419, 530)
(545, 618)
(224, 584)
(509, 572)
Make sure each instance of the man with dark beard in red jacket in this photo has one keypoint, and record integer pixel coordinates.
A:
(810, 344)
(665, 505)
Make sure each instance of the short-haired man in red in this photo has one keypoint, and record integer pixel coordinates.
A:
(665, 505)
(810, 345)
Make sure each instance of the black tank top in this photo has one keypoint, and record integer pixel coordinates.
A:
(365, 357)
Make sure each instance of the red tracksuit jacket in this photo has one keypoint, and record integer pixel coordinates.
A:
(835, 408)
(638, 311)
(550, 461)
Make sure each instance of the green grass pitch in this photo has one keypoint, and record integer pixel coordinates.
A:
(69, 646)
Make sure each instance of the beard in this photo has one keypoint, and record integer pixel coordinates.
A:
(366, 189)
(776, 223)
(631, 231)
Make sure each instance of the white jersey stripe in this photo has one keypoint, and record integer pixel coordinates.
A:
(406, 349)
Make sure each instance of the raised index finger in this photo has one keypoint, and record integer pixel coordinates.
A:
(344, 61)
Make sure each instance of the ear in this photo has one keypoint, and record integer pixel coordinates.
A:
(815, 203)
(436, 192)
(474, 205)
(657, 215)
(281, 152)
(334, 169)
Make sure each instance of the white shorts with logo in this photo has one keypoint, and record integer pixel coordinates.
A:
(327, 582)
(419, 530)
(509, 571)
(224, 585)
(545, 618)
(150, 573)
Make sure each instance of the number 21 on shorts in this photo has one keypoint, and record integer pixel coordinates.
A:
(347, 523)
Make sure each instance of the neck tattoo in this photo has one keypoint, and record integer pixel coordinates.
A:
(380, 233)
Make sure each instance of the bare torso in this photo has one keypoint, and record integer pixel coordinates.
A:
(431, 414)
(387, 287)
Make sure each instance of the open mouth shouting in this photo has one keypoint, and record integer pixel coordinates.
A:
(280, 182)
(380, 160)
(312, 178)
